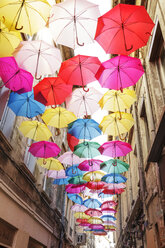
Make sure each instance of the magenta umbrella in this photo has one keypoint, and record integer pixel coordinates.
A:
(93, 212)
(115, 148)
(56, 174)
(108, 204)
(96, 226)
(78, 208)
(90, 165)
(120, 72)
(44, 149)
(14, 77)
(84, 224)
(74, 189)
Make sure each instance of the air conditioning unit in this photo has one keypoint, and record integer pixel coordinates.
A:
(81, 238)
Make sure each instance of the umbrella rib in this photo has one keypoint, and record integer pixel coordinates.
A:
(135, 34)
(29, 6)
(59, 6)
(63, 30)
(28, 18)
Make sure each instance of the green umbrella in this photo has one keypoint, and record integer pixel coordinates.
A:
(114, 166)
(77, 180)
(87, 149)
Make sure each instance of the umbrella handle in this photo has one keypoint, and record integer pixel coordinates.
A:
(78, 42)
(128, 49)
(16, 26)
(37, 78)
(84, 89)
(57, 132)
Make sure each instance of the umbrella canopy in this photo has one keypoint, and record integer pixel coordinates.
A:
(116, 100)
(51, 91)
(110, 227)
(25, 105)
(115, 148)
(114, 166)
(73, 171)
(13, 77)
(108, 210)
(81, 215)
(108, 218)
(77, 180)
(38, 57)
(116, 123)
(96, 226)
(61, 181)
(56, 174)
(95, 220)
(44, 149)
(83, 103)
(99, 232)
(70, 158)
(90, 165)
(73, 23)
(84, 129)
(50, 164)
(79, 70)
(79, 220)
(94, 176)
(87, 149)
(120, 72)
(93, 212)
(92, 203)
(103, 196)
(112, 223)
(27, 16)
(35, 130)
(74, 189)
(124, 29)
(84, 224)
(113, 191)
(75, 198)
(78, 208)
(108, 204)
(114, 178)
(95, 185)
(72, 141)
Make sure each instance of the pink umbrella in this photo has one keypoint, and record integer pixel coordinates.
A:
(95, 185)
(78, 208)
(74, 189)
(96, 226)
(120, 72)
(112, 191)
(14, 77)
(44, 149)
(108, 204)
(115, 148)
(84, 224)
(56, 174)
(70, 158)
(90, 165)
(109, 223)
(114, 186)
(108, 210)
(93, 212)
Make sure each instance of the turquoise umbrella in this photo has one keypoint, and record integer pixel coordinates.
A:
(87, 149)
(114, 166)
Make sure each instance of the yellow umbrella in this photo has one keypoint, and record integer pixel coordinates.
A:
(95, 220)
(116, 123)
(115, 100)
(27, 16)
(8, 40)
(50, 164)
(81, 215)
(94, 176)
(35, 130)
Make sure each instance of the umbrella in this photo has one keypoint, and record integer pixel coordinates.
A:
(83, 103)
(93, 212)
(56, 174)
(94, 176)
(70, 158)
(84, 224)
(38, 57)
(25, 105)
(117, 123)
(75, 198)
(115, 148)
(115, 100)
(108, 218)
(124, 29)
(74, 189)
(8, 40)
(73, 171)
(90, 165)
(35, 130)
(119, 72)
(72, 141)
(14, 77)
(77, 180)
(61, 181)
(79, 70)
(108, 204)
(110, 227)
(81, 215)
(44, 149)
(109, 223)
(103, 196)
(96, 226)
(27, 16)
(92, 203)
(79, 220)
(87, 149)
(114, 178)
(114, 166)
(95, 220)
(84, 129)
(78, 208)
(73, 23)
(50, 164)
(95, 185)
(51, 91)
(113, 191)
(100, 232)
(108, 210)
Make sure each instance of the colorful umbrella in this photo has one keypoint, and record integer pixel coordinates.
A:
(108, 210)
(113, 191)
(110, 227)
(83, 103)
(120, 72)
(114, 186)
(73, 171)
(124, 29)
(90, 165)
(112, 223)
(81, 215)
(79, 220)
(78, 208)
(99, 232)
(84, 129)
(96, 226)
(14, 77)
(25, 105)
(87, 149)
(92, 203)
(74, 189)
(51, 91)
(38, 57)
(77, 180)
(75, 198)
(103, 196)
(50, 164)
(56, 174)
(94, 176)
(108, 218)
(114, 178)
(61, 181)
(93, 212)
(84, 224)
(114, 166)
(108, 204)
(44, 149)
(95, 185)
(73, 23)
(95, 220)
(70, 158)
(115, 148)
(72, 141)
(35, 130)
(27, 16)
(79, 70)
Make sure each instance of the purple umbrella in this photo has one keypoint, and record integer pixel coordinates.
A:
(90, 165)
(44, 149)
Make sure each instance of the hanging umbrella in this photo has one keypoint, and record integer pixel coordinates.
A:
(51, 91)
(95, 220)
(108, 204)
(117, 123)
(90, 165)
(108, 210)
(115, 148)
(115, 100)
(114, 178)
(73, 171)
(84, 129)
(87, 149)
(70, 158)
(108, 218)
(73, 23)
(95, 185)
(101, 232)
(72, 141)
(56, 174)
(112, 223)
(93, 212)
(81, 215)
(44, 149)
(84, 224)
(25, 105)
(92, 203)
(38, 57)
(114, 166)
(96, 226)
(120, 72)
(124, 29)
(77, 180)
(79, 220)
(110, 228)
(74, 189)
(83, 103)
(13, 77)
(75, 198)
(94, 176)
(61, 181)
(103, 196)
(78, 208)
(25, 16)
(8, 40)
(35, 130)
(114, 186)
(79, 70)
(113, 191)
(50, 164)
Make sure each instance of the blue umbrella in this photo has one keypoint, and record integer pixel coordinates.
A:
(114, 178)
(75, 198)
(74, 171)
(102, 195)
(25, 105)
(108, 218)
(92, 203)
(61, 181)
(84, 129)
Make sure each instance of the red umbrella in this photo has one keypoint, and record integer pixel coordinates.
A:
(108, 210)
(95, 185)
(79, 70)
(72, 141)
(108, 204)
(79, 220)
(93, 212)
(124, 29)
(113, 191)
(51, 91)
(44, 149)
